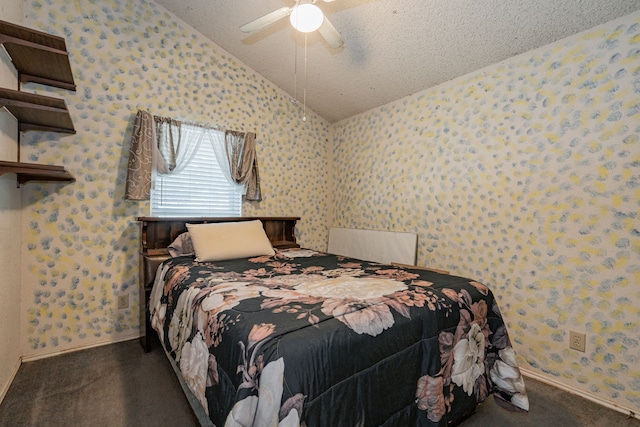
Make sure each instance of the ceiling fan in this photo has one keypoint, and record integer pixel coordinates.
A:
(305, 16)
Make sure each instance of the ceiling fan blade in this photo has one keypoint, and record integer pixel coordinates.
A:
(330, 34)
(266, 20)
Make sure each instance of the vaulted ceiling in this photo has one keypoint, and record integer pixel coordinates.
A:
(392, 48)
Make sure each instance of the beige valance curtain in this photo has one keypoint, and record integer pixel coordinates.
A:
(161, 143)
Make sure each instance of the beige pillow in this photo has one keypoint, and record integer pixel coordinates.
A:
(229, 240)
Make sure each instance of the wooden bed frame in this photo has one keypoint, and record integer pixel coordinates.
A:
(156, 234)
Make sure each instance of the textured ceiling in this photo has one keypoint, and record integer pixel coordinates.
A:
(393, 48)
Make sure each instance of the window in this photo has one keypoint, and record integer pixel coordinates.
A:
(200, 189)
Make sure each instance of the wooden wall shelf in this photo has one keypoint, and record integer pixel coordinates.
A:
(35, 172)
(39, 57)
(37, 112)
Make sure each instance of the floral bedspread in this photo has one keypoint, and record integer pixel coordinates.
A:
(312, 339)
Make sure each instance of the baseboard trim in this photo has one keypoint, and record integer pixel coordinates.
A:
(84, 347)
(595, 399)
(5, 388)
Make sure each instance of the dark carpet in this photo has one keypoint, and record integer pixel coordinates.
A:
(120, 385)
(111, 385)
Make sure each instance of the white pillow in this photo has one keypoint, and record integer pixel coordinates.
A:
(229, 240)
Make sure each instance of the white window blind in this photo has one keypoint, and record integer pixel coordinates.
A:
(199, 190)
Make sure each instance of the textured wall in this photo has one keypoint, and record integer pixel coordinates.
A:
(81, 239)
(524, 175)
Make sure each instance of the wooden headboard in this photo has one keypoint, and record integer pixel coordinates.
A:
(156, 234)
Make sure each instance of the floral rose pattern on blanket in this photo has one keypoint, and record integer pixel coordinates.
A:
(308, 338)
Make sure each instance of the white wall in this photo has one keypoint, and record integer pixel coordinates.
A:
(10, 207)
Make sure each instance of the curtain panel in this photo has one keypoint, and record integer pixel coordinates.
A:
(243, 162)
(138, 185)
(164, 145)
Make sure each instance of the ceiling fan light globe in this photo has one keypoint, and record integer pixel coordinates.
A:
(306, 18)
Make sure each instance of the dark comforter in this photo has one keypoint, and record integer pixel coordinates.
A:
(307, 338)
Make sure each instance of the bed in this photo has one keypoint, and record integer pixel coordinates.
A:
(292, 336)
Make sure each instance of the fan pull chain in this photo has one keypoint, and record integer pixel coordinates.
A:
(295, 77)
(295, 73)
(304, 93)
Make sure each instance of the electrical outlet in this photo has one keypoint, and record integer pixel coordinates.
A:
(123, 301)
(577, 341)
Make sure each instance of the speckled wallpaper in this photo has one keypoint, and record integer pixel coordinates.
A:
(526, 176)
(80, 240)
